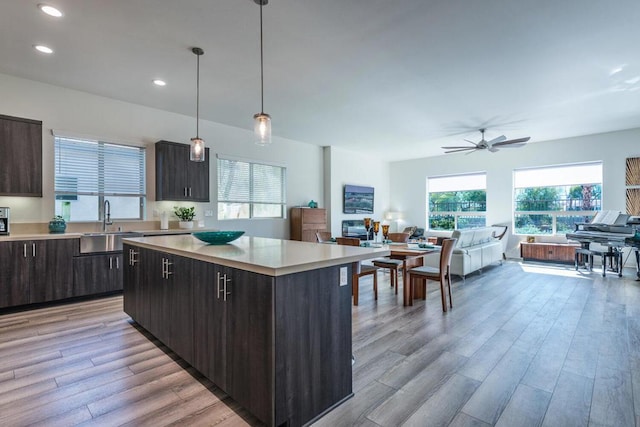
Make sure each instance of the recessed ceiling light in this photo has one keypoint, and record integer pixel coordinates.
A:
(50, 10)
(159, 82)
(43, 49)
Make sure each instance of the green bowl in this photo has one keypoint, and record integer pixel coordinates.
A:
(217, 237)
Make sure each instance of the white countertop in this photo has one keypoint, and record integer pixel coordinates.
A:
(76, 235)
(272, 257)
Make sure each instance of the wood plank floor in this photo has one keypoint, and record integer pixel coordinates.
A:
(524, 345)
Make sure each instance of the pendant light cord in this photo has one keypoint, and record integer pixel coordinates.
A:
(198, 96)
(261, 64)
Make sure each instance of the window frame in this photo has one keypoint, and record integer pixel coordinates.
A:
(555, 214)
(456, 214)
(251, 200)
(101, 146)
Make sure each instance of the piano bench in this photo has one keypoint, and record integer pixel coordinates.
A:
(585, 257)
(613, 256)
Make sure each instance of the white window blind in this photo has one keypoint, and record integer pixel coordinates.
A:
(92, 171)
(250, 190)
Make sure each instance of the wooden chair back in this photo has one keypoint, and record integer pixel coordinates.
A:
(445, 255)
(323, 236)
(399, 237)
(349, 241)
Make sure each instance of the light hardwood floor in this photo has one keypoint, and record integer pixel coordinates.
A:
(524, 345)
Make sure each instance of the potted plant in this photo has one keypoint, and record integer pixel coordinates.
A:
(57, 225)
(185, 215)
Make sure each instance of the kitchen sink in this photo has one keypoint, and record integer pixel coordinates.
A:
(104, 242)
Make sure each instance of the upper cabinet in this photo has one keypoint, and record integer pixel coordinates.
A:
(21, 157)
(178, 178)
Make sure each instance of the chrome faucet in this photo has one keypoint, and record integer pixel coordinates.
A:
(106, 219)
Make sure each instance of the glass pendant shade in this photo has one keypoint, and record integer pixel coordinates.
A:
(262, 128)
(197, 152)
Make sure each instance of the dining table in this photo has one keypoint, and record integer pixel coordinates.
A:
(411, 255)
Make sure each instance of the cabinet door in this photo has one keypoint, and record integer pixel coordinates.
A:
(170, 302)
(97, 274)
(21, 160)
(210, 323)
(198, 179)
(250, 340)
(52, 274)
(171, 171)
(14, 274)
(131, 281)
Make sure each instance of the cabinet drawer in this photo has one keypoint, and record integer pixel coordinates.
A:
(314, 216)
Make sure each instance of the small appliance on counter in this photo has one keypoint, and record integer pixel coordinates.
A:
(4, 221)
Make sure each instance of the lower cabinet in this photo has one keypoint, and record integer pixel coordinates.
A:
(161, 287)
(233, 325)
(548, 252)
(36, 271)
(97, 274)
(279, 346)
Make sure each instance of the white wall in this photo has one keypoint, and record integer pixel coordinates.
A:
(83, 113)
(408, 178)
(357, 168)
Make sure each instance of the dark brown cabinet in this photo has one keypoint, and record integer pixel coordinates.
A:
(97, 274)
(233, 312)
(279, 346)
(178, 178)
(36, 271)
(163, 301)
(21, 159)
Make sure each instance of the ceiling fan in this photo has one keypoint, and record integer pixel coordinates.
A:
(494, 145)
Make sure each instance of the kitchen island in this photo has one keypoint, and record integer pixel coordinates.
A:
(267, 320)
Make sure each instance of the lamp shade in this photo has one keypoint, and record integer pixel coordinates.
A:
(262, 128)
(197, 151)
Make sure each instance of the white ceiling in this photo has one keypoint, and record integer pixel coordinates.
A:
(398, 77)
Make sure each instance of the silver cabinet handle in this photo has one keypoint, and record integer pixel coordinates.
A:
(110, 263)
(132, 257)
(165, 268)
(223, 289)
(226, 280)
(117, 263)
(24, 250)
(33, 249)
(189, 191)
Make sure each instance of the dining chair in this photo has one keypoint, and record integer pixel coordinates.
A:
(393, 265)
(359, 270)
(323, 236)
(440, 274)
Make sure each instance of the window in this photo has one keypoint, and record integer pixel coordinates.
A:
(250, 190)
(457, 201)
(550, 200)
(89, 172)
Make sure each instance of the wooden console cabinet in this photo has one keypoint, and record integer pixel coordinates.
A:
(549, 252)
(305, 222)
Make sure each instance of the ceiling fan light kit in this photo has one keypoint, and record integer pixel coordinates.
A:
(492, 146)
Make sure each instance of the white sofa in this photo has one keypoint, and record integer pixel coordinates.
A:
(476, 248)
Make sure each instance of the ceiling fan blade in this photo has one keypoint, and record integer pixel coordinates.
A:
(496, 140)
(470, 149)
(520, 141)
(459, 146)
(493, 149)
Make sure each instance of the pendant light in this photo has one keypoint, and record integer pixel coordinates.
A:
(197, 151)
(262, 121)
